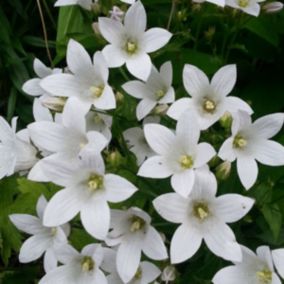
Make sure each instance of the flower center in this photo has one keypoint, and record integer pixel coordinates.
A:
(159, 94)
(95, 182)
(201, 210)
(186, 162)
(137, 224)
(243, 3)
(209, 105)
(96, 91)
(239, 141)
(131, 47)
(53, 231)
(264, 276)
(87, 264)
(138, 274)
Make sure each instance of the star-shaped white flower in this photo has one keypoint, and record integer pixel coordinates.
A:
(209, 100)
(87, 189)
(32, 86)
(86, 4)
(84, 267)
(253, 269)
(146, 273)
(130, 43)
(178, 154)
(45, 240)
(156, 90)
(131, 230)
(250, 7)
(16, 152)
(88, 81)
(250, 142)
(203, 216)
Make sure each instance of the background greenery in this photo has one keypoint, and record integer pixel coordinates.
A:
(204, 35)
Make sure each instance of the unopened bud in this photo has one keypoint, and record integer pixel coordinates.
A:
(119, 97)
(169, 274)
(223, 170)
(114, 158)
(160, 109)
(226, 120)
(96, 28)
(54, 103)
(273, 7)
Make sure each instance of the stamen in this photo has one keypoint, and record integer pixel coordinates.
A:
(137, 224)
(209, 105)
(95, 182)
(186, 162)
(138, 274)
(159, 94)
(239, 141)
(201, 211)
(264, 276)
(131, 47)
(96, 91)
(87, 264)
(243, 3)
(53, 231)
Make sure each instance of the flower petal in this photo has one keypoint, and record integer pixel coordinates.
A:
(27, 223)
(234, 104)
(204, 153)
(172, 207)
(185, 243)
(226, 152)
(136, 89)
(232, 207)
(195, 81)
(113, 56)
(107, 100)
(166, 71)
(144, 108)
(247, 170)
(111, 30)
(50, 260)
(178, 108)
(278, 259)
(149, 272)
(154, 246)
(224, 80)
(182, 182)
(32, 87)
(156, 38)
(139, 66)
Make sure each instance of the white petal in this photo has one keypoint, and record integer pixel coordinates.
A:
(32, 87)
(118, 188)
(278, 259)
(204, 153)
(269, 153)
(226, 152)
(50, 260)
(232, 207)
(27, 223)
(34, 247)
(156, 38)
(66, 254)
(62, 85)
(185, 243)
(135, 89)
(195, 81)
(155, 167)
(139, 66)
(269, 125)
(106, 100)
(40, 112)
(64, 206)
(144, 108)
(135, 19)
(6, 132)
(275, 279)
(247, 170)
(128, 257)
(182, 182)
(111, 30)
(40, 206)
(171, 207)
(220, 239)
(234, 104)
(160, 138)
(40, 69)
(166, 71)
(253, 10)
(224, 80)
(114, 56)
(95, 217)
(59, 3)
(264, 254)
(241, 120)
(154, 246)
(79, 61)
(149, 272)
(178, 108)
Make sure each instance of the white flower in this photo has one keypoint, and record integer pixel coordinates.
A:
(130, 44)
(136, 142)
(88, 81)
(44, 240)
(67, 141)
(278, 260)
(254, 269)
(87, 189)
(116, 14)
(16, 152)
(250, 7)
(146, 273)
(86, 4)
(203, 216)
(156, 90)
(131, 230)
(209, 99)
(178, 154)
(32, 86)
(250, 142)
(78, 267)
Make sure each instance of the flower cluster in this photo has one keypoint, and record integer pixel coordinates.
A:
(68, 149)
